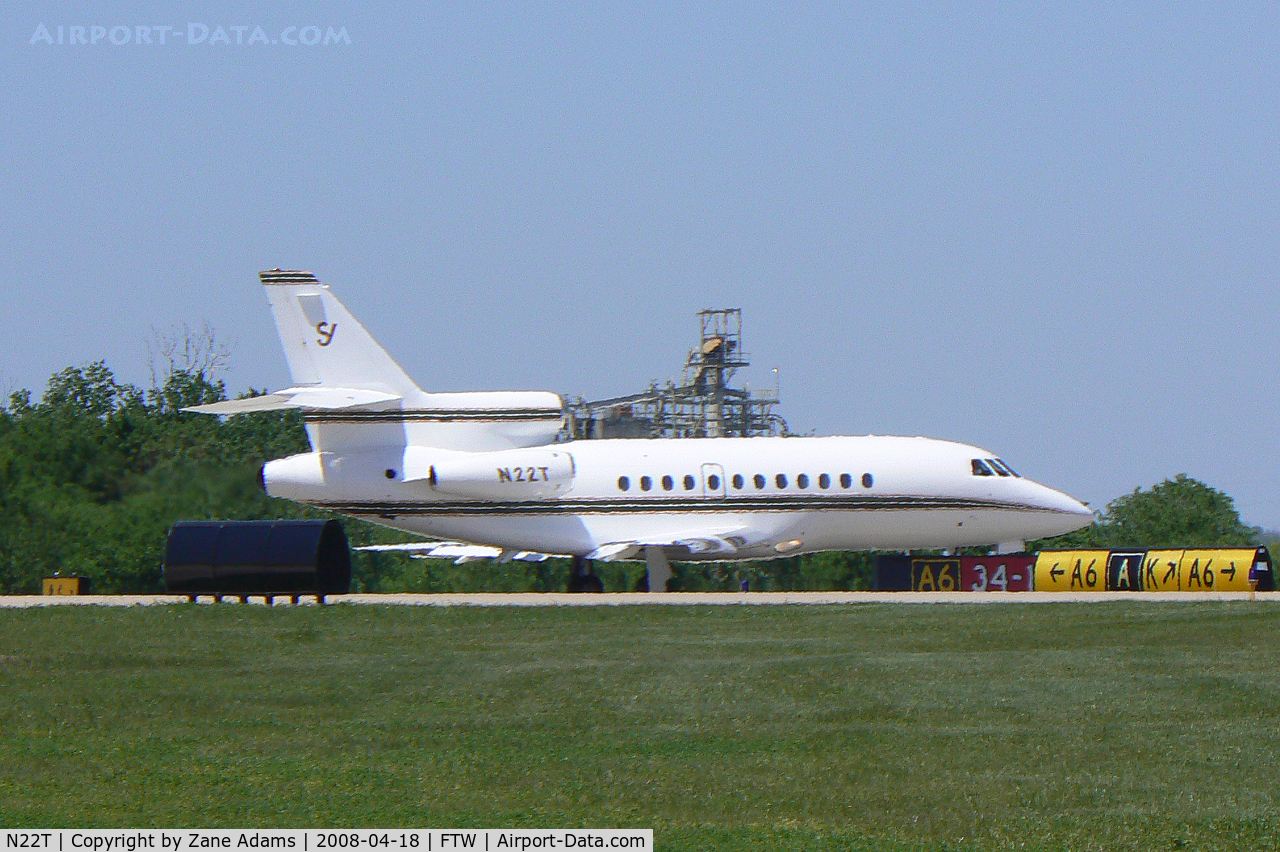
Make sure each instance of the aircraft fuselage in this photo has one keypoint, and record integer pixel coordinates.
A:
(762, 496)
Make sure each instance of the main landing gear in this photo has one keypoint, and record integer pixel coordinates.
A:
(657, 571)
(582, 577)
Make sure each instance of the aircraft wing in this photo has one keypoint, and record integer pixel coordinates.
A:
(458, 551)
(725, 542)
(324, 398)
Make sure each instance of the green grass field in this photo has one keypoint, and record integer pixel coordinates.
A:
(1057, 726)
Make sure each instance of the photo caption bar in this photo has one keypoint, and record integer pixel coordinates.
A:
(324, 840)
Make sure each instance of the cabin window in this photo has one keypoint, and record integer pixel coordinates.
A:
(623, 483)
(713, 482)
(802, 481)
(995, 465)
(980, 468)
(689, 482)
(668, 483)
(738, 481)
(645, 483)
(824, 480)
(867, 480)
(780, 480)
(846, 480)
(758, 479)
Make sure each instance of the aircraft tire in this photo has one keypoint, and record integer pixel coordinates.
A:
(582, 577)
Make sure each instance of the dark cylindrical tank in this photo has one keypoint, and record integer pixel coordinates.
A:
(257, 557)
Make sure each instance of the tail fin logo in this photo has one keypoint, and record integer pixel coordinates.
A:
(326, 331)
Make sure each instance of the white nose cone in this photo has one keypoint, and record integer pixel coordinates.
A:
(1068, 505)
(1068, 513)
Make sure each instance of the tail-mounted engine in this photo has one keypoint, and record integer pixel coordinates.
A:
(507, 474)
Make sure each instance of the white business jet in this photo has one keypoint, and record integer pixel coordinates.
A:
(486, 474)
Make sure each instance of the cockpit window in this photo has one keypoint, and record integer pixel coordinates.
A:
(995, 465)
(980, 468)
(1005, 465)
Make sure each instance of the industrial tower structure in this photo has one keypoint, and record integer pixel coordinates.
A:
(704, 405)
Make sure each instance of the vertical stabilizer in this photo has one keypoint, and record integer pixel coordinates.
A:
(325, 345)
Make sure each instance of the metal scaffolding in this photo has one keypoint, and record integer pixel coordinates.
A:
(704, 405)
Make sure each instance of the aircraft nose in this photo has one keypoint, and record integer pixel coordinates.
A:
(1057, 501)
(1064, 513)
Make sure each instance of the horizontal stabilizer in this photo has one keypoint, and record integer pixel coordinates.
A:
(268, 402)
(317, 398)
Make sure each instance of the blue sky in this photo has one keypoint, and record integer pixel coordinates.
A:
(1048, 230)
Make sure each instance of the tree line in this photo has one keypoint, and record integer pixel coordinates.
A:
(94, 472)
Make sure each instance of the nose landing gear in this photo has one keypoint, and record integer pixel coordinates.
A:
(582, 576)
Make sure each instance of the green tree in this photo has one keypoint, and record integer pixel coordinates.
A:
(1179, 512)
(93, 475)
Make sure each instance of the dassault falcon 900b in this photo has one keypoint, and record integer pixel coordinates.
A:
(487, 471)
